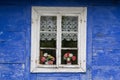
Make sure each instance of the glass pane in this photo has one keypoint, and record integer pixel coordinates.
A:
(46, 43)
(69, 40)
(48, 40)
(69, 57)
(48, 29)
(47, 57)
(48, 23)
(69, 23)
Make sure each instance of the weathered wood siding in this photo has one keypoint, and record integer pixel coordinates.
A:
(103, 40)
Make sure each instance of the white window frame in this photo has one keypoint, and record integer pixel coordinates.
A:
(37, 11)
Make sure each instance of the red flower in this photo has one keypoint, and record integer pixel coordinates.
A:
(43, 59)
(73, 58)
(66, 55)
(50, 62)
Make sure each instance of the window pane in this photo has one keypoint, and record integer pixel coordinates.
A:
(48, 40)
(69, 31)
(48, 23)
(69, 53)
(69, 57)
(69, 23)
(69, 40)
(47, 57)
(48, 33)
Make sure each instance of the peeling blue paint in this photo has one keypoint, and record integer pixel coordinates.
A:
(12, 71)
(103, 40)
(106, 73)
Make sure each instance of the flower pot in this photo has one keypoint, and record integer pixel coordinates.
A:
(46, 62)
(69, 63)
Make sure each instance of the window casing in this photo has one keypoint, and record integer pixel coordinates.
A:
(57, 32)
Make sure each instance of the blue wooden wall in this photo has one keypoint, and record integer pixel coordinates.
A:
(103, 40)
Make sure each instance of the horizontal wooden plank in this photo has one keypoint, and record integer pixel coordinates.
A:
(14, 18)
(12, 47)
(12, 55)
(105, 73)
(12, 39)
(12, 71)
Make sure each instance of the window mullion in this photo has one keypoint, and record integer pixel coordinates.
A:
(58, 40)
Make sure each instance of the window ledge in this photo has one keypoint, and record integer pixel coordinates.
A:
(49, 70)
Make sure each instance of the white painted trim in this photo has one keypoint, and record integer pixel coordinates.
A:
(44, 70)
(35, 36)
(58, 10)
(84, 39)
(79, 40)
(33, 45)
(59, 39)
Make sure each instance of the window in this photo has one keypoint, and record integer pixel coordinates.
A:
(58, 39)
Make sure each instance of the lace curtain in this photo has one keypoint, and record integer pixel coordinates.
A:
(49, 24)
